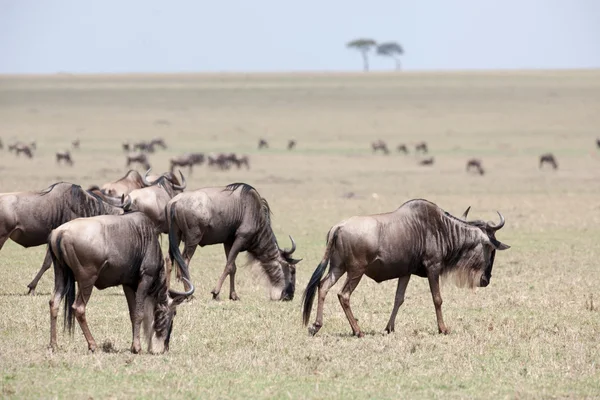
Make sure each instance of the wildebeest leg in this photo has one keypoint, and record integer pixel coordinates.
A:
(140, 297)
(45, 266)
(130, 296)
(326, 283)
(234, 249)
(188, 253)
(57, 297)
(344, 296)
(434, 286)
(79, 306)
(400, 291)
(232, 294)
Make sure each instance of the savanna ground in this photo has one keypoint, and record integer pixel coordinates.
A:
(532, 333)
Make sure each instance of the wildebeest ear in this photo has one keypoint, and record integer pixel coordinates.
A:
(464, 216)
(499, 245)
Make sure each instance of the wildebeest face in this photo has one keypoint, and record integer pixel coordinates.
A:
(288, 266)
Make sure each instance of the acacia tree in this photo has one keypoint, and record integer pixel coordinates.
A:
(364, 46)
(391, 49)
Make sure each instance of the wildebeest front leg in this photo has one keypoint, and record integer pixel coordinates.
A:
(232, 294)
(400, 291)
(45, 266)
(130, 296)
(344, 296)
(79, 306)
(232, 253)
(434, 286)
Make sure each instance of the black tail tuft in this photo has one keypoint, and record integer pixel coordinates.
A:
(311, 289)
(174, 253)
(68, 284)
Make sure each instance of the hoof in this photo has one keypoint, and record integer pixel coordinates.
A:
(215, 295)
(233, 296)
(53, 347)
(360, 334)
(31, 291)
(445, 331)
(389, 329)
(313, 330)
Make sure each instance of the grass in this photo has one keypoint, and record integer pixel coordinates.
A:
(532, 333)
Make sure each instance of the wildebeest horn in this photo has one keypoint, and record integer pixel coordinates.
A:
(174, 293)
(500, 225)
(145, 178)
(126, 204)
(464, 216)
(183, 183)
(291, 251)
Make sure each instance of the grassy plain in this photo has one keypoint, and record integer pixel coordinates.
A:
(533, 333)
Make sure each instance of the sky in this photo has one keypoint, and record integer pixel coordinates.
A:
(122, 36)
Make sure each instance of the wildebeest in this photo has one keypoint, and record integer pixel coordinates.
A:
(126, 146)
(402, 148)
(421, 147)
(64, 156)
(380, 145)
(1, 144)
(152, 199)
(549, 159)
(475, 164)
(291, 144)
(107, 251)
(597, 143)
(144, 146)
(239, 218)
(262, 143)
(28, 217)
(158, 142)
(427, 161)
(224, 161)
(75, 143)
(418, 238)
(188, 159)
(21, 147)
(139, 158)
(123, 186)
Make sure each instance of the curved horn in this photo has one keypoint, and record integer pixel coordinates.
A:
(290, 251)
(500, 225)
(174, 293)
(464, 216)
(183, 183)
(145, 178)
(126, 204)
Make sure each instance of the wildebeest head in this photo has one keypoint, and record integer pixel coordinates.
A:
(288, 265)
(169, 177)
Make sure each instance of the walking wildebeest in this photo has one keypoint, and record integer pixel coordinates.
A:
(476, 164)
(402, 149)
(239, 218)
(427, 161)
(549, 159)
(65, 156)
(188, 159)
(291, 144)
(28, 217)
(139, 158)
(418, 238)
(123, 186)
(107, 251)
(75, 143)
(263, 143)
(152, 199)
(422, 147)
(380, 145)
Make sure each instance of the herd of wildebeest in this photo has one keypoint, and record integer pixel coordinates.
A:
(108, 235)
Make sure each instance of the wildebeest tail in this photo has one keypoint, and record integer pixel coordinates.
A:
(174, 253)
(311, 289)
(68, 283)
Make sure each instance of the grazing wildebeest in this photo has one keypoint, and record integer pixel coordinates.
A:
(427, 161)
(262, 143)
(239, 218)
(238, 160)
(475, 163)
(549, 159)
(291, 144)
(21, 147)
(139, 158)
(107, 251)
(64, 156)
(75, 143)
(188, 159)
(380, 145)
(131, 181)
(144, 146)
(158, 142)
(402, 148)
(28, 217)
(422, 147)
(152, 199)
(418, 238)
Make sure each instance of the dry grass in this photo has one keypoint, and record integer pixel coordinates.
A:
(532, 333)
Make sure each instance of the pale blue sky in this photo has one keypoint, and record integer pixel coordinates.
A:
(48, 36)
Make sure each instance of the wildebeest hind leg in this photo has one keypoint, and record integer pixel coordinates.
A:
(57, 296)
(434, 286)
(400, 291)
(232, 253)
(352, 281)
(130, 296)
(79, 306)
(45, 266)
(232, 294)
(326, 283)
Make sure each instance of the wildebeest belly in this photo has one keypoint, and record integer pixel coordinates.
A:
(379, 271)
(29, 239)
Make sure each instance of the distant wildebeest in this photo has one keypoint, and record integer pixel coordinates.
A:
(75, 143)
(239, 218)
(380, 145)
(64, 156)
(291, 144)
(421, 147)
(262, 143)
(152, 199)
(28, 217)
(239, 160)
(158, 142)
(427, 161)
(475, 164)
(1, 144)
(20, 147)
(107, 251)
(418, 238)
(221, 161)
(140, 158)
(188, 159)
(123, 186)
(597, 143)
(144, 146)
(402, 148)
(549, 159)
(126, 146)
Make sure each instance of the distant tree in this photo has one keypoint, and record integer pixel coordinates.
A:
(364, 46)
(391, 49)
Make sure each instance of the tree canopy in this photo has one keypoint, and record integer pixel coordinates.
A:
(391, 49)
(364, 45)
